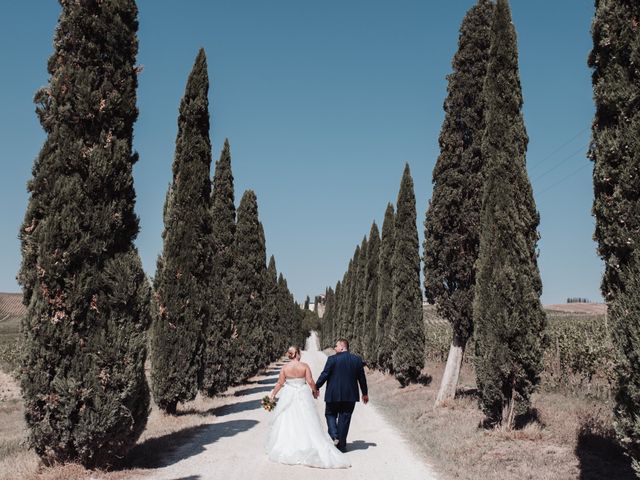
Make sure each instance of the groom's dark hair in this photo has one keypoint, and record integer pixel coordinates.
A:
(344, 341)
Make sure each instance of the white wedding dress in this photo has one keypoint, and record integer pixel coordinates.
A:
(297, 436)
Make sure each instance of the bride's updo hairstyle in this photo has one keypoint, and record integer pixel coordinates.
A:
(293, 352)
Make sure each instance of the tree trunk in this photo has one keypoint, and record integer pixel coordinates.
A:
(509, 412)
(451, 372)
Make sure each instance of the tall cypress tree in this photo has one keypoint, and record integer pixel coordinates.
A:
(407, 325)
(335, 316)
(349, 319)
(615, 150)
(369, 345)
(344, 301)
(625, 328)
(275, 331)
(250, 270)
(284, 311)
(291, 311)
(87, 297)
(218, 328)
(183, 274)
(299, 334)
(360, 300)
(270, 316)
(509, 319)
(452, 224)
(327, 319)
(384, 318)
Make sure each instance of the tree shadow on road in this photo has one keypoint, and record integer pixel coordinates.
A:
(223, 410)
(252, 390)
(264, 381)
(176, 446)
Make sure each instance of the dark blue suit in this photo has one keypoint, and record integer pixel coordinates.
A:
(342, 372)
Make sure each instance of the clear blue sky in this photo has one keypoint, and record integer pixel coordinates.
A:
(323, 103)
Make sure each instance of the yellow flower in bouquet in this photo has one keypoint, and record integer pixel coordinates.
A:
(267, 403)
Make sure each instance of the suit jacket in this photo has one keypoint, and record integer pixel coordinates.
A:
(343, 372)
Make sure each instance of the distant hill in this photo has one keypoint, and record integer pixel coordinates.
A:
(587, 308)
(430, 314)
(11, 305)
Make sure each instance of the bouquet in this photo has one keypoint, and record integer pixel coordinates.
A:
(267, 403)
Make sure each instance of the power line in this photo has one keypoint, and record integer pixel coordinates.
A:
(581, 149)
(555, 184)
(568, 142)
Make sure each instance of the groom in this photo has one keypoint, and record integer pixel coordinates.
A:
(342, 372)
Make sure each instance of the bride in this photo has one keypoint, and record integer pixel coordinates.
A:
(297, 436)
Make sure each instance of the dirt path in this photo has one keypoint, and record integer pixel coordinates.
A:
(233, 447)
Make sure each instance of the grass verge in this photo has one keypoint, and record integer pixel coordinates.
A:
(568, 437)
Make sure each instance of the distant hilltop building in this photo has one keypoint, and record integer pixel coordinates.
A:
(319, 301)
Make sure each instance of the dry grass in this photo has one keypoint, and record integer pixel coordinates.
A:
(567, 438)
(16, 461)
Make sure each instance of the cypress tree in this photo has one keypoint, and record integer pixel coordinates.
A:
(284, 312)
(509, 319)
(407, 329)
(335, 315)
(360, 300)
(625, 328)
(294, 314)
(384, 316)
(615, 151)
(327, 319)
(269, 317)
(615, 146)
(344, 301)
(85, 394)
(452, 224)
(250, 260)
(218, 328)
(273, 333)
(349, 320)
(183, 273)
(299, 336)
(307, 301)
(370, 350)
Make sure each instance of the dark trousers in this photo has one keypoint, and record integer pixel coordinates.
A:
(338, 415)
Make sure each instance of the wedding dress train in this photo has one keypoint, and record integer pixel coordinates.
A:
(297, 436)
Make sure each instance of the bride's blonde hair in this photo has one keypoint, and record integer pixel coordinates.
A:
(293, 352)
